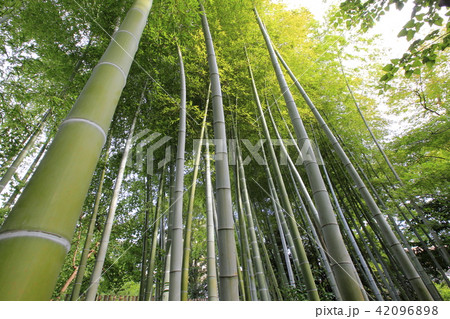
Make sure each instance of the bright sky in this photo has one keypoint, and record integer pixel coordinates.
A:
(392, 46)
(389, 26)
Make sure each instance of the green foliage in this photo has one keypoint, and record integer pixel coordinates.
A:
(129, 288)
(423, 50)
(444, 291)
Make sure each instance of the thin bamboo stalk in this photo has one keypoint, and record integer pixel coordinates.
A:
(245, 247)
(166, 281)
(240, 276)
(30, 170)
(152, 257)
(6, 178)
(280, 265)
(101, 255)
(177, 223)
(213, 293)
(168, 250)
(188, 227)
(90, 232)
(256, 256)
(145, 230)
(267, 262)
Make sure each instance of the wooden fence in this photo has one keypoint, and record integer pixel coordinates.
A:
(117, 298)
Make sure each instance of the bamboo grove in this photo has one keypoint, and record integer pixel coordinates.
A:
(217, 150)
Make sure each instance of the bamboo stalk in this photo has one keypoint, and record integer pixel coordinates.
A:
(245, 247)
(30, 170)
(152, 257)
(101, 255)
(267, 263)
(213, 293)
(6, 178)
(280, 265)
(226, 242)
(177, 223)
(188, 227)
(355, 246)
(145, 230)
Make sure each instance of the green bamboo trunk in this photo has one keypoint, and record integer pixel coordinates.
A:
(293, 169)
(319, 243)
(350, 236)
(213, 293)
(168, 250)
(280, 265)
(188, 228)
(36, 236)
(391, 240)
(229, 289)
(152, 258)
(145, 243)
(166, 280)
(247, 263)
(177, 223)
